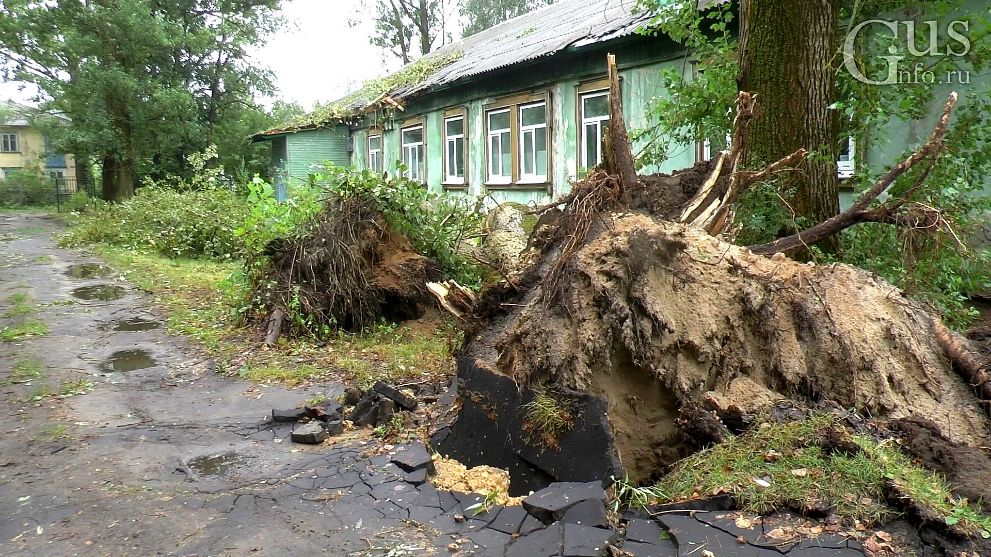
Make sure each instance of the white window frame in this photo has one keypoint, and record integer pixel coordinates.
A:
(375, 155)
(585, 121)
(10, 142)
(449, 140)
(497, 134)
(532, 129)
(413, 150)
(845, 168)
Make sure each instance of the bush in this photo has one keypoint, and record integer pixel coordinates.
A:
(436, 225)
(172, 223)
(26, 189)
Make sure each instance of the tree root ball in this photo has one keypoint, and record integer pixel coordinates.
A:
(656, 315)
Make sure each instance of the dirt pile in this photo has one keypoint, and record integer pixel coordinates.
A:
(348, 271)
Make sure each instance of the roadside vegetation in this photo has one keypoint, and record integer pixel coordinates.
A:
(199, 247)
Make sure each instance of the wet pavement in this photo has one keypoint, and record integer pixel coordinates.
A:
(163, 456)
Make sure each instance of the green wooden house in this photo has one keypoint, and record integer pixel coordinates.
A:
(516, 112)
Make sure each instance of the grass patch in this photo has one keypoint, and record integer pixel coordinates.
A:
(56, 432)
(547, 416)
(20, 306)
(26, 370)
(780, 464)
(67, 389)
(26, 329)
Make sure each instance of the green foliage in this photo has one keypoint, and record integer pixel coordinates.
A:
(436, 225)
(772, 466)
(145, 82)
(172, 223)
(371, 90)
(482, 14)
(26, 188)
(268, 218)
(700, 98)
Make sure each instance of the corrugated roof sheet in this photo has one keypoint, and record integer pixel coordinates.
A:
(543, 32)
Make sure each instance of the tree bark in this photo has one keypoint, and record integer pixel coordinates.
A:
(109, 178)
(787, 49)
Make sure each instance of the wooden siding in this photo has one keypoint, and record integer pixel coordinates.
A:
(310, 148)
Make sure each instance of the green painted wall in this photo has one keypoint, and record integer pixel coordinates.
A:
(313, 147)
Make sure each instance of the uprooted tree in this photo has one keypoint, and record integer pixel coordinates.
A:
(633, 305)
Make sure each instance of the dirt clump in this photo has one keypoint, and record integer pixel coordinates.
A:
(348, 271)
(451, 475)
(967, 469)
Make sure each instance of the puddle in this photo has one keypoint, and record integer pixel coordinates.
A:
(135, 324)
(101, 292)
(216, 465)
(88, 271)
(129, 360)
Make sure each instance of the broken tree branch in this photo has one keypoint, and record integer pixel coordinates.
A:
(711, 208)
(859, 212)
(619, 156)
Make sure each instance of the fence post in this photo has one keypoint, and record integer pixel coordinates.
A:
(58, 195)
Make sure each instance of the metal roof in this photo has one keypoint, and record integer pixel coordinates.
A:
(540, 33)
(19, 115)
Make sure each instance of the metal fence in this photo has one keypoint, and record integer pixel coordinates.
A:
(66, 188)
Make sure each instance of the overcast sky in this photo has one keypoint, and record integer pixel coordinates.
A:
(319, 57)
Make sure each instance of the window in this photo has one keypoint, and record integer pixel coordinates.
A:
(413, 153)
(845, 159)
(500, 147)
(8, 143)
(533, 143)
(594, 115)
(375, 153)
(454, 150)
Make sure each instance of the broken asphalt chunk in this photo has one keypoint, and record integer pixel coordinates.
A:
(404, 401)
(286, 416)
(586, 541)
(549, 504)
(366, 411)
(312, 433)
(414, 457)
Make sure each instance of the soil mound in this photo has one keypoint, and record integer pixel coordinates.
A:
(348, 271)
(654, 315)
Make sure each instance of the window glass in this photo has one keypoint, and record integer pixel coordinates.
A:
(533, 142)
(533, 115)
(595, 106)
(499, 147)
(414, 153)
(454, 159)
(499, 120)
(375, 153)
(594, 115)
(456, 126)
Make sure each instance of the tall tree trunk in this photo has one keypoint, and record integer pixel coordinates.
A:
(787, 52)
(125, 180)
(424, 24)
(109, 178)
